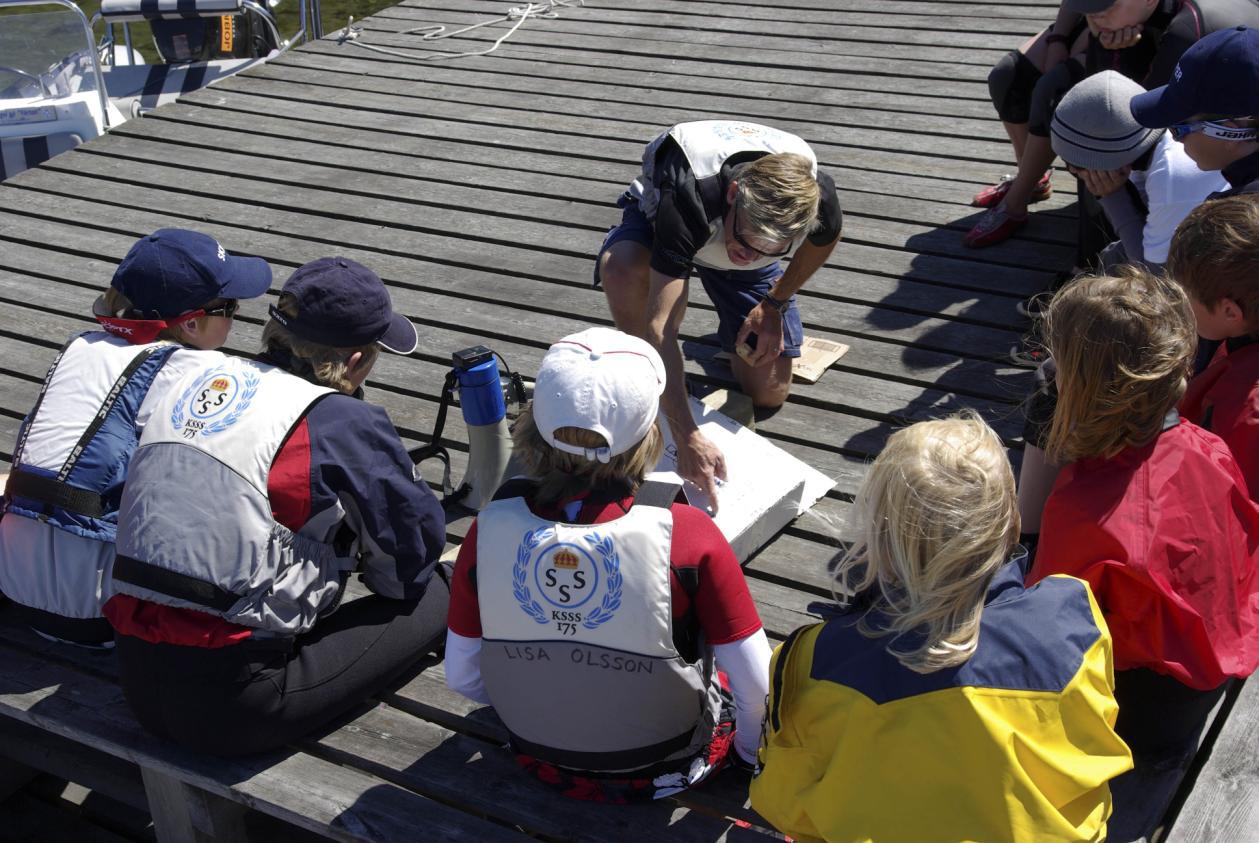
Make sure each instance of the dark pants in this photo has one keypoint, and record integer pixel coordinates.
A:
(1161, 720)
(260, 695)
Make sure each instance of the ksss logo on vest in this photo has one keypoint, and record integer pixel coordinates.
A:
(569, 578)
(213, 403)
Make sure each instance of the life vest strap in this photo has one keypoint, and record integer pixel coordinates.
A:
(52, 492)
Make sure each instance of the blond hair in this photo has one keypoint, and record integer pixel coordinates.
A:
(118, 305)
(562, 475)
(1215, 254)
(779, 196)
(1123, 346)
(329, 366)
(936, 517)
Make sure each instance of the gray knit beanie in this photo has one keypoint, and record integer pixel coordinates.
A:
(1093, 127)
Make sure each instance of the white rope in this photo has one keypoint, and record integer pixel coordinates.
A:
(546, 10)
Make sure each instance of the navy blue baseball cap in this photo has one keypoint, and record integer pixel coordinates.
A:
(1218, 75)
(174, 270)
(343, 304)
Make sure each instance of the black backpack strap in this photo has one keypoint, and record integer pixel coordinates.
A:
(435, 449)
(658, 493)
(516, 487)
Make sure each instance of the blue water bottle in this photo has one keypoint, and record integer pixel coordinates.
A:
(485, 413)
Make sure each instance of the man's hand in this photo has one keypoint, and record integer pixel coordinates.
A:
(766, 322)
(701, 462)
(1101, 182)
(1118, 39)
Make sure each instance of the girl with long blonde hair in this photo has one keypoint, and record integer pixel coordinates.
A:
(940, 667)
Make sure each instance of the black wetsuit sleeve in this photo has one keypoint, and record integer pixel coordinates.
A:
(681, 230)
(830, 215)
(1182, 32)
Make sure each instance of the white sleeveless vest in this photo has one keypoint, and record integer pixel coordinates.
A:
(577, 650)
(69, 466)
(707, 144)
(195, 528)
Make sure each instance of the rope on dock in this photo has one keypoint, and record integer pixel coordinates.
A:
(352, 34)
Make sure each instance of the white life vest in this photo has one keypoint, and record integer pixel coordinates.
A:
(69, 466)
(577, 652)
(195, 529)
(707, 144)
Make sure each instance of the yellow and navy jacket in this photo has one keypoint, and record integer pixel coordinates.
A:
(1017, 744)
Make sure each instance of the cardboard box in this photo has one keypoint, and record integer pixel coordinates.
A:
(816, 356)
(766, 488)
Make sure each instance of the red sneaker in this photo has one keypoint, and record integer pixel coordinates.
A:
(991, 196)
(995, 225)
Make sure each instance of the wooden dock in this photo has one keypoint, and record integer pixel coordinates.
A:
(480, 188)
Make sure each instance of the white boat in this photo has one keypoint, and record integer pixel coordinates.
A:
(60, 86)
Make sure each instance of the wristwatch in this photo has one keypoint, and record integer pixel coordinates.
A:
(780, 306)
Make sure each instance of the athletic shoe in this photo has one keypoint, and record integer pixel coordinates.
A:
(1035, 307)
(1028, 353)
(993, 194)
(995, 225)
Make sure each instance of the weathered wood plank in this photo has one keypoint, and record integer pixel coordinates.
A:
(1224, 802)
(294, 787)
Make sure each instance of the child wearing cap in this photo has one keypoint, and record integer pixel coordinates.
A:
(260, 488)
(1215, 257)
(1152, 511)
(174, 288)
(1094, 132)
(588, 606)
(943, 700)
(1142, 39)
(1211, 105)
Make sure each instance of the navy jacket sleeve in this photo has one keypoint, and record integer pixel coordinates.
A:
(360, 468)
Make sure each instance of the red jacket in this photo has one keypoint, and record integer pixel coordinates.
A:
(1224, 399)
(1167, 536)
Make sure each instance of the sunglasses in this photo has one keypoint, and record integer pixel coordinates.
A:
(738, 236)
(227, 309)
(1212, 129)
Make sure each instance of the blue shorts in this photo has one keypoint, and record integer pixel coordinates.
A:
(734, 292)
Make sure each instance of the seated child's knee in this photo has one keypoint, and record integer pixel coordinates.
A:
(1010, 84)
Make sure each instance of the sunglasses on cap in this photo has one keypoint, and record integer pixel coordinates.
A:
(1212, 129)
(738, 236)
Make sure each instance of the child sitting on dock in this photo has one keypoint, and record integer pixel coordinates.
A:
(174, 289)
(588, 606)
(256, 492)
(1144, 180)
(944, 700)
(1215, 257)
(1152, 511)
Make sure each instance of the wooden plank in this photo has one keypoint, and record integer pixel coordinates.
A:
(861, 145)
(287, 127)
(828, 35)
(796, 55)
(184, 814)
(1224, 802)
(510, 72)
(297, 788)
(482, 776)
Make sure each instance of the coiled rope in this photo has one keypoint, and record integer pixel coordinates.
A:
(518, 14)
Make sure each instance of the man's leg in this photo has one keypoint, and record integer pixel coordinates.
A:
(734, 293)
(624, 270)
(768, 386)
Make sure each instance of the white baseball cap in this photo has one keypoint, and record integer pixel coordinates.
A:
(601, 380)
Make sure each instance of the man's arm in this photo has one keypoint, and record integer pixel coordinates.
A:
(764, 320)
(699, 460)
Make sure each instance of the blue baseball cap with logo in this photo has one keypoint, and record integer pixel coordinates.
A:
(1218, 75)
(174, 271)
(343, 304)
